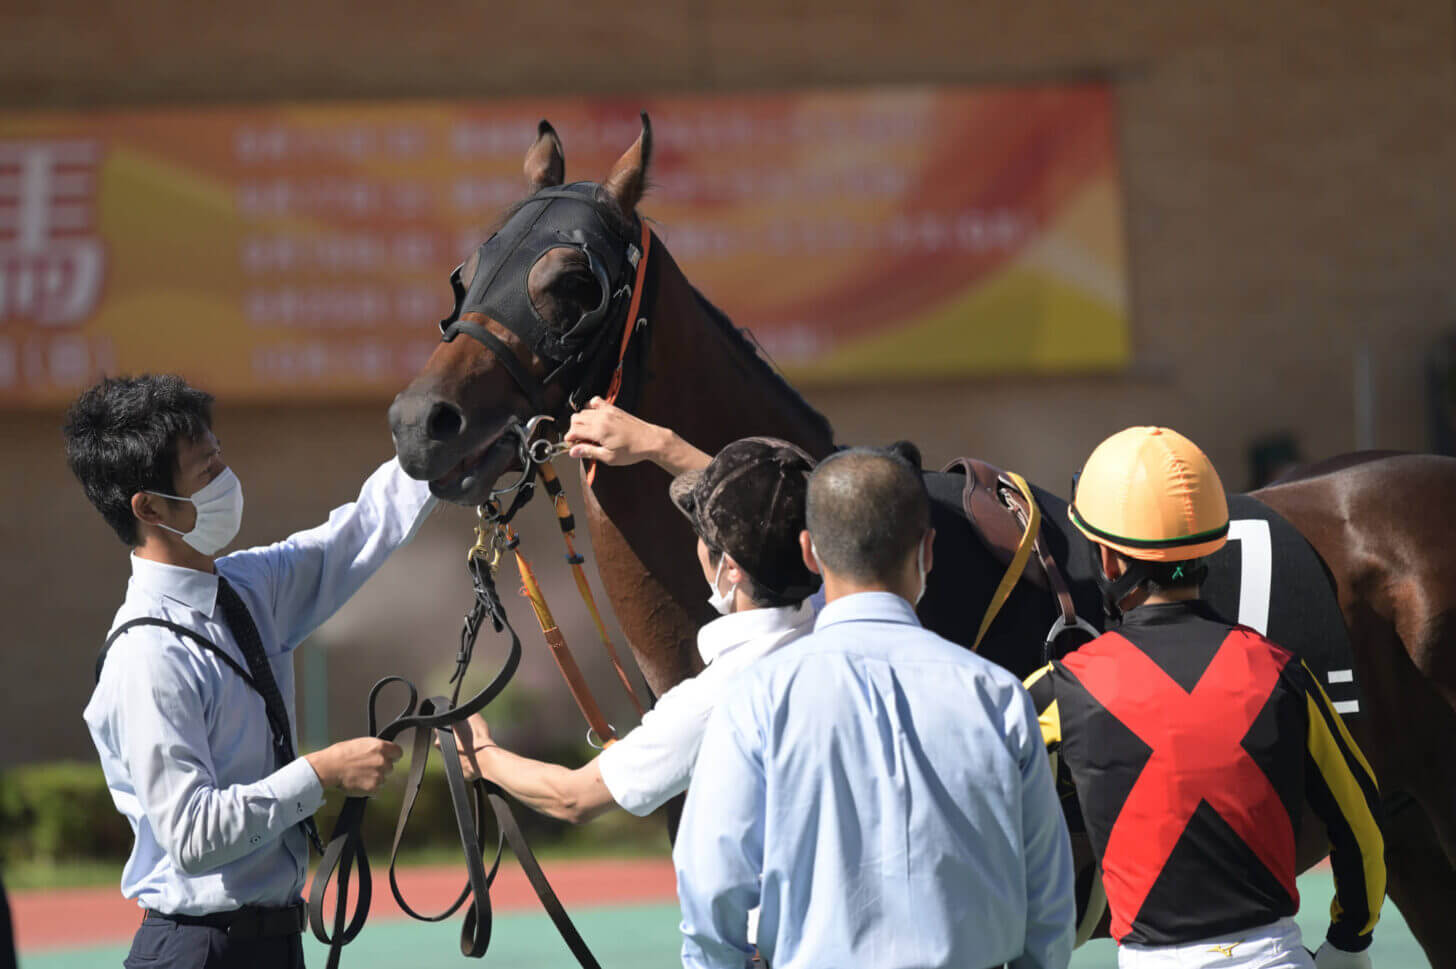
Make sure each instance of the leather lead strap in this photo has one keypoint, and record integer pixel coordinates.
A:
(586, 702)
(629, 327)
(346, 845)
(567, 523)
(435, 718)
(475, 930)
(419, 755)
(512, 832)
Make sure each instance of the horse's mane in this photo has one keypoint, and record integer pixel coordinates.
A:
(741, 340)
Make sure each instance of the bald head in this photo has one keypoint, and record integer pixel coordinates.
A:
(866, 511)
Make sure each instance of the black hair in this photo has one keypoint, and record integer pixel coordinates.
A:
(866, 510)
(1162, 577)
(761, 597)
(122, 437)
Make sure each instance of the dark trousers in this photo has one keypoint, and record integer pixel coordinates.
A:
(161, 944)
(7, 935)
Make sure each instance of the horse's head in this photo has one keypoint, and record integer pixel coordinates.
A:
(542, 305)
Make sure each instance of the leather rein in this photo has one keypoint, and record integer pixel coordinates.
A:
(435, 718)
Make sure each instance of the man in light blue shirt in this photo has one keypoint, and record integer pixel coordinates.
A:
(193, 710)
(881, 792)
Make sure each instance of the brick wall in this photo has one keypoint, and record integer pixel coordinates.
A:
(1290, 179)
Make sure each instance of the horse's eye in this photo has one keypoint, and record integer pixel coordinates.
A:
(579, 289)
(563, 287)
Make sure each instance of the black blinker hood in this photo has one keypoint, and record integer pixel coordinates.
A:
(570, 216)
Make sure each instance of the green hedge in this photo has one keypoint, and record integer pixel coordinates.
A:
(63, 812)
(60, 812)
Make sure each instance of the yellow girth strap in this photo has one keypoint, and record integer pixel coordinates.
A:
(1018, 561)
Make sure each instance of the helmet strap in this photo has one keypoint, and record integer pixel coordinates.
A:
(1118, 589)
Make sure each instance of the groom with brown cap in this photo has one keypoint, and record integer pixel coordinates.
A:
(747, 508)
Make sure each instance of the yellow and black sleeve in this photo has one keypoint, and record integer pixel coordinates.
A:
(1044, 696)
(1341, 789)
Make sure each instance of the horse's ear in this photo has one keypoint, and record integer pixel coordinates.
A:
(545, 163)
(627, 182)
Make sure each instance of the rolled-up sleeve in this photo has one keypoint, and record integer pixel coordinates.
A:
(719, 849)
(161, 731)
(1051, 903)
(311, 574)
(653, 763)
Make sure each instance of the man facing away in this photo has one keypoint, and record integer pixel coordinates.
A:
(881, 792)
(1193, 742)
(193, 709)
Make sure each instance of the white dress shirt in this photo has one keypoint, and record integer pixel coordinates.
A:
(654, 762)
(885, 796)
(184, 741)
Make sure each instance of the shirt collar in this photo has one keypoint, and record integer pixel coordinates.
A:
(193, 589)
(867, 606)
(1159, 613)
(736, 628)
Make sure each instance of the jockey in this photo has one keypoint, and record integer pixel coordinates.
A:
(747, 507)
(1193, 743)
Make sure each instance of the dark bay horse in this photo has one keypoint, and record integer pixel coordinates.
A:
(1381, 525)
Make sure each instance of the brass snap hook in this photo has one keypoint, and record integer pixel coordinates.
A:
(490, 538)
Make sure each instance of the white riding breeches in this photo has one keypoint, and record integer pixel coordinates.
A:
(1277, 945)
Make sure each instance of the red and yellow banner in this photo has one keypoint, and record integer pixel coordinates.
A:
(302, 250)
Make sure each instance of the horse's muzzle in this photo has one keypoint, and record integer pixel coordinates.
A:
(438, 443)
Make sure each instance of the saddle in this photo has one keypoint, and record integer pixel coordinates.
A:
(999, 514)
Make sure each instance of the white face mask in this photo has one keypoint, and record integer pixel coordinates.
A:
(219, 505)
(924, 572)
(722, 602)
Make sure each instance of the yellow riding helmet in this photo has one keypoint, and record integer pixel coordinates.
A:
(1151, 494)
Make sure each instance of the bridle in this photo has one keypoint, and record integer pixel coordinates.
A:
(620, 267)
(436, 717)
(572, 216)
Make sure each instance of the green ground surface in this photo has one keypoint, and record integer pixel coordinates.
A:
(646, 935)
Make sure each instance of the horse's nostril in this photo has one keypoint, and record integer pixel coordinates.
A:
(445, 422)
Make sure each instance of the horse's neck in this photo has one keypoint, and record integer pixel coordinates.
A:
(707, 383)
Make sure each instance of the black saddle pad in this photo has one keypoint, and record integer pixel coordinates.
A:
(1269, 578)
(1266, 577)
